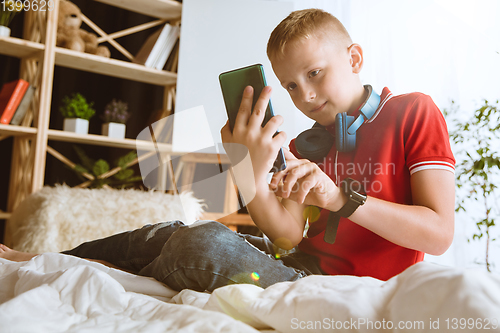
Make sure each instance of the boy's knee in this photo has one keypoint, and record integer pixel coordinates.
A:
(207, 229)
(200, 237)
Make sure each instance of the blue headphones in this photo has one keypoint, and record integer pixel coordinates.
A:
(315, 143)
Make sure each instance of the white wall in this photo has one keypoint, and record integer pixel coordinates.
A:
(217, 36)
(220, 35)
(448, 50)
(445, 48)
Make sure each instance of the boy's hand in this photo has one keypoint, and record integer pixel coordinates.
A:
(305, 183)
(261, 144)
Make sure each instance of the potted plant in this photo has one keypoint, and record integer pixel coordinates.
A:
(115, 116)
(8, 9)
(121, 176)
(478, 169)
(76, 112)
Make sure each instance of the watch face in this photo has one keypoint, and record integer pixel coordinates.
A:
(354, 189)
(358, 197)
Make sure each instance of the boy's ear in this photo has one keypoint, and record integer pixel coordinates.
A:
(356, 56)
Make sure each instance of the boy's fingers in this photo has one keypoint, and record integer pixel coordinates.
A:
(293, 177)
(245, 108)
(272, 126)
(225, 128)
(280, 138)
(288, 155)
(260, 107)
(275, 180)
(291, 166)
(278, 176)
(225, 132)
(305, 187)
(278, 191)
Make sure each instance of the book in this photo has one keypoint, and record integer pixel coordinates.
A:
(167, 47)
(155, 51)
(173, 59)
(146, 48)
(10, 98)
(23, 106)
(151, 47)
(159, 46)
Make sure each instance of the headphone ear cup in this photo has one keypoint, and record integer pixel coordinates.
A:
(314, 144)
(344, 141)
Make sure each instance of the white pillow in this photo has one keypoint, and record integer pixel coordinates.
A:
(59, 218)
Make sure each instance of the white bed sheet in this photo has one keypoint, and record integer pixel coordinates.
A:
(58, 293)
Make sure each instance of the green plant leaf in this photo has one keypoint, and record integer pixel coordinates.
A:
(124, 174)
(79, 168)
(100, 167)
(99, 183)
(135, 179)
(87, 162)
(76, 106)
(126, 159)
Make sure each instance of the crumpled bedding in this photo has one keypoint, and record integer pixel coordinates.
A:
(59, 293)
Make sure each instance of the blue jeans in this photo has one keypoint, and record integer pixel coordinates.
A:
(202, 256)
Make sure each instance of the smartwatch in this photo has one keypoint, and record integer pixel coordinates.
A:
(356, 196)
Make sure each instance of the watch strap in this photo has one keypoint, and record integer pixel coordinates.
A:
(332, 225)
(348, 208)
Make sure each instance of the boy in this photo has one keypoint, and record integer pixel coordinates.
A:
(402, 157)
(409, 208)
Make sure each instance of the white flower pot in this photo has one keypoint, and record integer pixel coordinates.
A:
(4, 31)
(76, 125)
(114, 130)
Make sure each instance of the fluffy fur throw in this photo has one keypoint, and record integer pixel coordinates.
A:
(60, 218)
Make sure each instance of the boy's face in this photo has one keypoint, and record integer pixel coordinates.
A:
(320, 78)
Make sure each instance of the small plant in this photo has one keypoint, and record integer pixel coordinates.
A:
(121, 179)
(478, 166)
(116, 112)
(76, 106)
(8, 10)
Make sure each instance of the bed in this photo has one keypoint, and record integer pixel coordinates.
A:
(59, 293)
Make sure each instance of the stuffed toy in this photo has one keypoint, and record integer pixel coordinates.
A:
(69, 34)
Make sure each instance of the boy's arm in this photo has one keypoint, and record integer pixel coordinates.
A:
(281, 221)
(427, 225)
(283, 226)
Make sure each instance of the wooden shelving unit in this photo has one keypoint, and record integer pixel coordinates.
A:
(20, 48)
(39, 55)
(163, 9)
(111, 67)
(99, 140)
(12, 130)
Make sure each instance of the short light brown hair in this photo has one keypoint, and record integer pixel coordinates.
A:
(305, 24)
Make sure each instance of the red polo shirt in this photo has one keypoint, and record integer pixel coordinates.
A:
(406, 134)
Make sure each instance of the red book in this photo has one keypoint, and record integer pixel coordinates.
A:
(10, 96)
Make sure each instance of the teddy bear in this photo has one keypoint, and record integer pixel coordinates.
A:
(69, 34)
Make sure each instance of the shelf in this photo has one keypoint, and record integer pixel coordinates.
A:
(101, 140)
(30, 177)
(112, 67)
(231, 219)
(4, 215)
(163, 9)
(20, 48)
(206, 158)
(13, 130)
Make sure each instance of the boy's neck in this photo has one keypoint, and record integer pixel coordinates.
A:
(359, 97)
